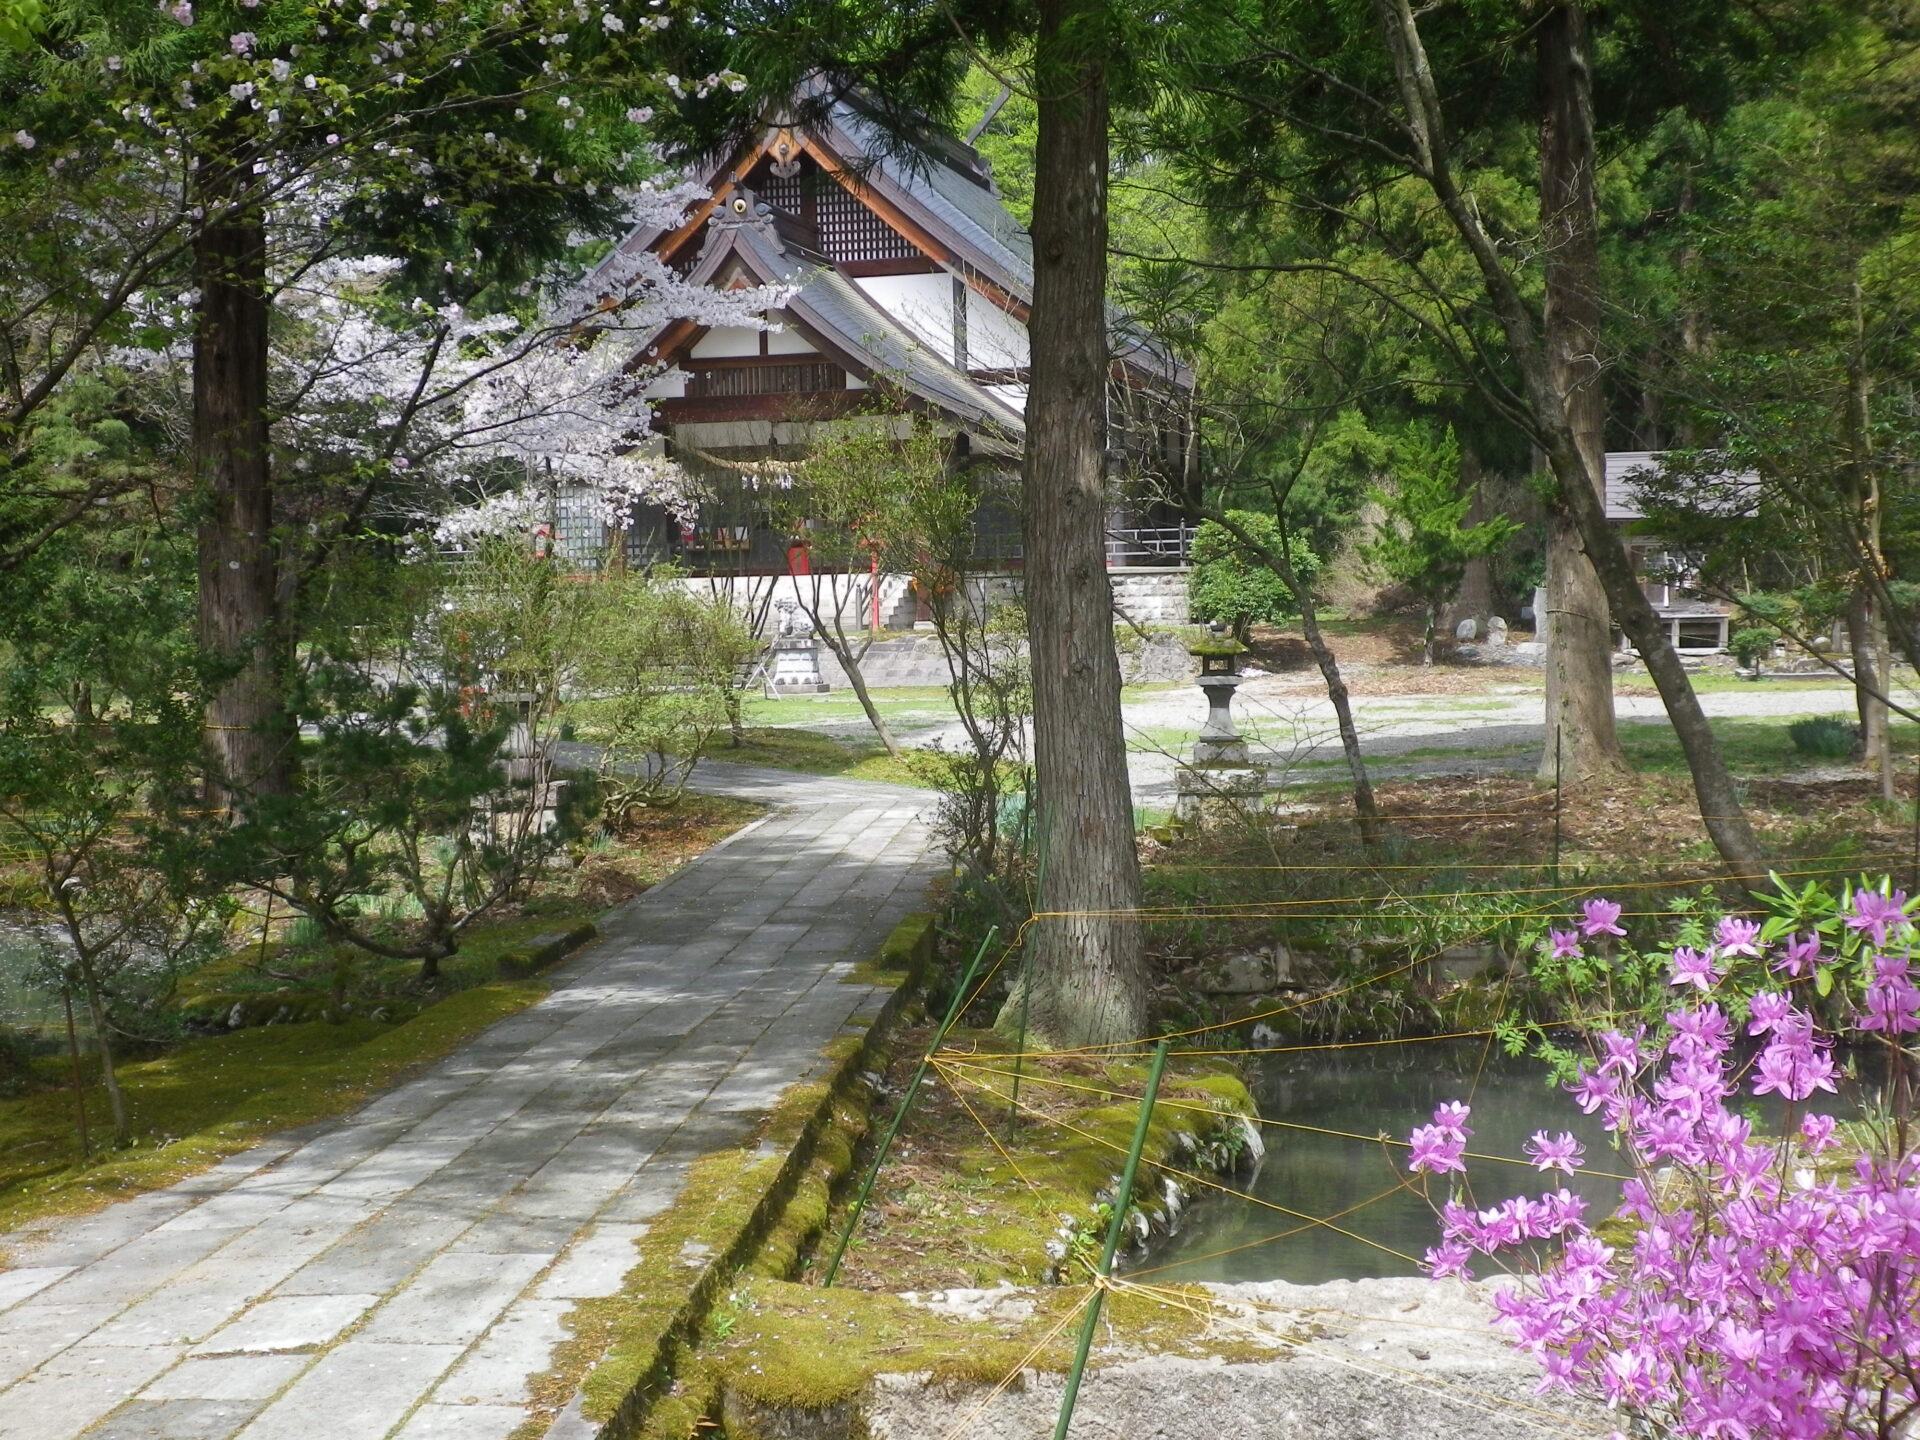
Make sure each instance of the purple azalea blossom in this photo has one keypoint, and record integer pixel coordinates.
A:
(1600, 917)
(1767, 1011)
(1434, 1150)
(1758, 1297)
(1690, 967)
(1736, 937)
(1802, 954)
(1555, 1152)
(1875, 913)
(1563, 944)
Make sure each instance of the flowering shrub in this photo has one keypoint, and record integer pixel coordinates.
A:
(1750, 1284)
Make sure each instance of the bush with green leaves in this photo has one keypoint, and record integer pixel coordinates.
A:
(1753, 645)
(1825, 737)
(1232, 584)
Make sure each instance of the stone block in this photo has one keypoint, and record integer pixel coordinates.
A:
(454, 1298)
(289, 1323)
(228, 1377)
(520, 1345)
(359, 1389)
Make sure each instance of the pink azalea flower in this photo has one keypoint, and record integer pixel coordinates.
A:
(1802, 954)
(1690, 967)
(1600, 917)
(1450, 1118)
(1564, 944)
(1875, 913)
(1449, 1258)
(1434, 1150)
(1737, 937)
(1767, 1011)
(1555, 1152)
(1818, 1133)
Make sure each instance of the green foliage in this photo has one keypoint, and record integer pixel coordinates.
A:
(1424, 542)
(1753, 644)
(1826, 737)
(1233, 584)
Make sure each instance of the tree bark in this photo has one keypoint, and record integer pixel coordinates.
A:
(1866, 638)
(1580, 729)
(1086, 968)
(1721, 811)
(249, 737)
(1475, 600)
(109, 1076)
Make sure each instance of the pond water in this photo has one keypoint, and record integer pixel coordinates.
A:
(24, 1005)
(1365, 1092)
(1355, 1183)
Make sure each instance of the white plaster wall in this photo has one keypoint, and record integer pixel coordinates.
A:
(727, 342)
(995, 340)
(922, 303)
(789, 341)
(670, 386)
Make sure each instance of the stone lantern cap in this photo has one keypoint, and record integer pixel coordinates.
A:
(1218, 650)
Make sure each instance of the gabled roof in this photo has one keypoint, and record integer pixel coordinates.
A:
(939, 196)
(852, 329)
(1628, 470)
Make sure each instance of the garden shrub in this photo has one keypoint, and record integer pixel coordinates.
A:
(1826, 737)
(1233, 585)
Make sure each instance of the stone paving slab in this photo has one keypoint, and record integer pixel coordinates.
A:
(399, 1274)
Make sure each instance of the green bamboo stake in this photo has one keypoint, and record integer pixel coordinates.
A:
(906, 1103)
(1121, 1200)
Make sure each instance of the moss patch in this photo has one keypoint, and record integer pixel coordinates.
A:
(972, 1199)
(903, 957)
(207, 1099)
(751, 1210)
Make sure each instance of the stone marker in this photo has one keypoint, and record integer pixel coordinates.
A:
(1467, 629)
(1496, 631)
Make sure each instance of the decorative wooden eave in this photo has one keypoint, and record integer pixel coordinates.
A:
(730, 178)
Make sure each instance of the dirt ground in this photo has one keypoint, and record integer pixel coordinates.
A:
(1383, 658)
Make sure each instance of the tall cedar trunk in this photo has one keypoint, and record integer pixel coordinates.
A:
(1867, 640)
(1087, 969)
(1866, 621)
(1580, 637)
(1366, 813)
(248, 733)
(1475, 600)
(1721, 811)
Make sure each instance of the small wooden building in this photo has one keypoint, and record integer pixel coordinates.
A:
(1694, 622)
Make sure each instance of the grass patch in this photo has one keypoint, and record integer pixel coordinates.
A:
(812, 753)
(912, 704)
(210, 1098)
(202, 1099)
(1753, 745)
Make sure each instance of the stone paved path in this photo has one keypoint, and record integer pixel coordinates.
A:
(401, 1271)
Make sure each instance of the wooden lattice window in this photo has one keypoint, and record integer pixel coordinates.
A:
(733, 380)
(850, 231)
(782, 194)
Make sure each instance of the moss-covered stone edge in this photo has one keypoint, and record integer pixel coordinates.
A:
(751, 1209)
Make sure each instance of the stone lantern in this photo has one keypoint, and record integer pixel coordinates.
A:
(796, 654)
(1219, 743)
